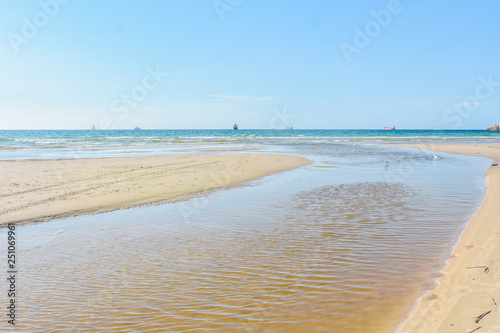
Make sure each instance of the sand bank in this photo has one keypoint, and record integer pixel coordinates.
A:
(470, 285)
(41, 190)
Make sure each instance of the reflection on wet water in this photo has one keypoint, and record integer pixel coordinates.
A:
(312, 250)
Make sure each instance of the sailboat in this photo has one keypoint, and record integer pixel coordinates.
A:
(93, 127)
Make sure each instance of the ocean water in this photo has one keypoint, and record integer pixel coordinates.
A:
(346, 244)
(88, 143)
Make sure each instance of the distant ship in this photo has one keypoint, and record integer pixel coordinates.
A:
(289, 128)
(93, 126)
(390, 128)
(137, 128)
(235, 127)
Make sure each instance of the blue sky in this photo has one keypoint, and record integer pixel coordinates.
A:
(207, 64)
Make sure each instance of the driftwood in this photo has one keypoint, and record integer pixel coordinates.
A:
(476, 329)
(486, 268)
(481, 316)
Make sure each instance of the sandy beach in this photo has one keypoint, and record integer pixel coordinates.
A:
(42, 190)
(467, 295)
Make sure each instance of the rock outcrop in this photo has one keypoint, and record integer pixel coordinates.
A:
(494, 128)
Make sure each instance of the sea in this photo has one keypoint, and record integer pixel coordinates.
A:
(19, 144)
(346, 244)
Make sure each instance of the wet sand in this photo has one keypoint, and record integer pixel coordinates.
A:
(467, 295)
(339, 249)
(218, 149)
(42, 190)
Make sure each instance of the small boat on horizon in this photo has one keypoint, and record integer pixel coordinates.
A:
(390, 128)
(93, 127)
(137, 128)
(235, 126)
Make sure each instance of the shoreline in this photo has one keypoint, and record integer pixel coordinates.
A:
(470, 282)
(42, 190)
(461, 293)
